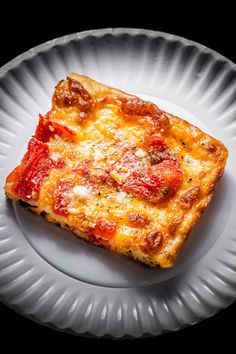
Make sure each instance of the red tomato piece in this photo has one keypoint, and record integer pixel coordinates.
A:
(171, 175)
(34, 168)
(104, 229)
(62, 130)
(43, 132)
(158, 150)
(27, 178)
(15, 175)
(157, 183)
(62, 198)
(156, 143)
(47, 129)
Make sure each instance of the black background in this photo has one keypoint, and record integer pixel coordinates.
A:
(23, 27)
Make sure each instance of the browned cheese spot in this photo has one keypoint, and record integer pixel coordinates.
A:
(70, 93)
(214, 150)
(136, 106)
(138, 219)
(211, 148)
(190, 197)
(175, 223)
(153, 242)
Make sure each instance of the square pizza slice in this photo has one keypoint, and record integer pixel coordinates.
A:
(118, 171)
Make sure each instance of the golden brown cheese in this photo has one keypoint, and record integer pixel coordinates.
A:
(118, 171)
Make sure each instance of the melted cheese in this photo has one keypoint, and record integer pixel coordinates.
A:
(81, 192)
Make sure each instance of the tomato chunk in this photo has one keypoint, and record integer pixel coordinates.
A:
(104, 229)
(157, 183)
(62, 197)
(34, 168)
(43, 132)
(158, 150)
(63, 131)
(47, 129)
(156, 143)
(28, 177)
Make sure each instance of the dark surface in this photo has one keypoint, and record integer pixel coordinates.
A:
(25, 28)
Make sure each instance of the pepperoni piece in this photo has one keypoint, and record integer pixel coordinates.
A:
(62, 197)
(157, 183)
(104, 229)
(34, 168)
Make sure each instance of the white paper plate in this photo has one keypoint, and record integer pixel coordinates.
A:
(57, 279)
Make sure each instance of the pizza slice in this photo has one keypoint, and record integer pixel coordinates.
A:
(118, 171)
